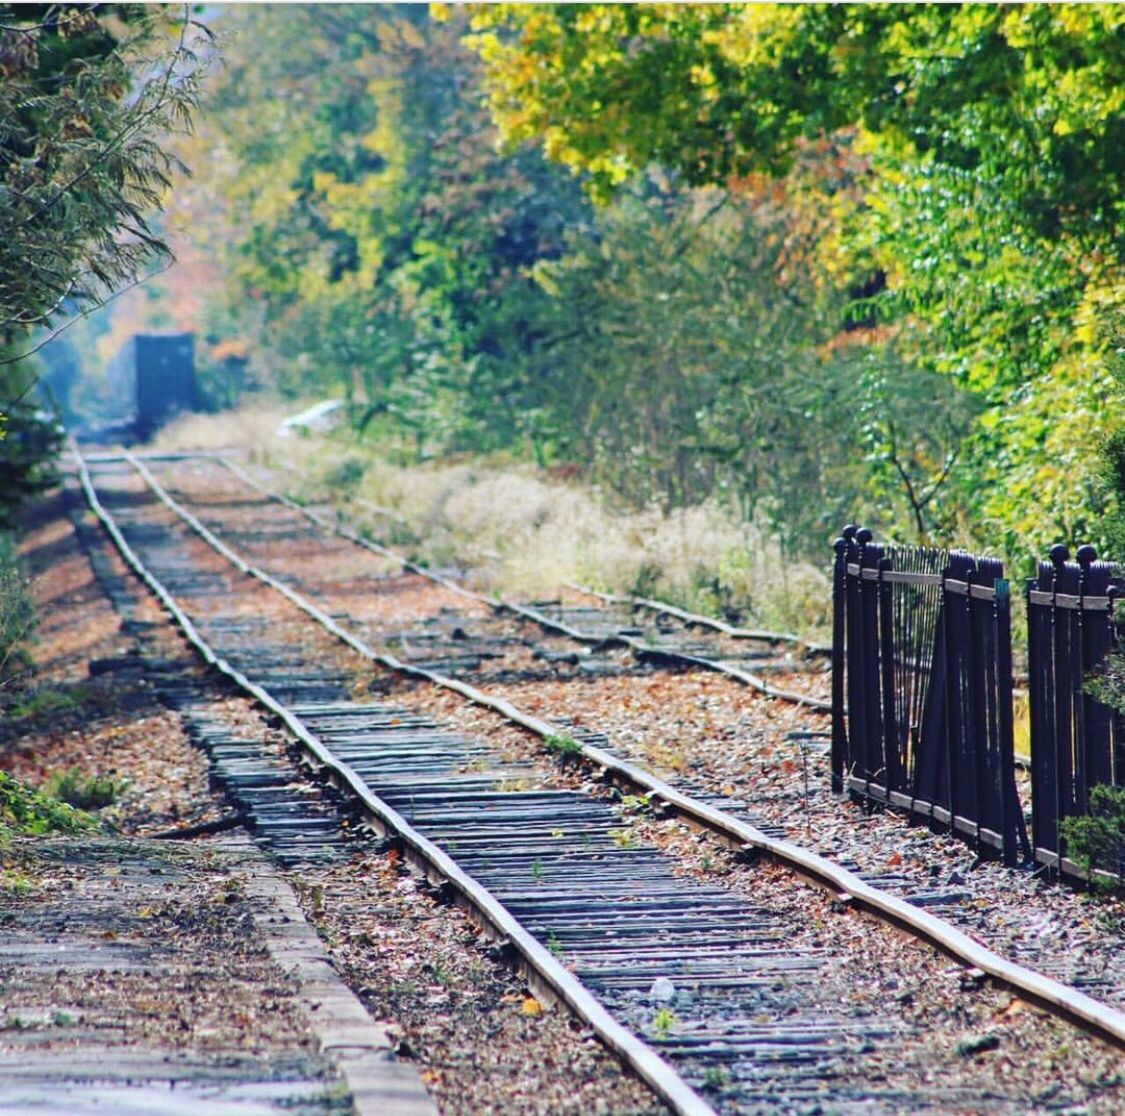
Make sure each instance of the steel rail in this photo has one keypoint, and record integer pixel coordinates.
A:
(1060, 998)
(109, 456)
(539, 963)
(641, 650)
(697, 619)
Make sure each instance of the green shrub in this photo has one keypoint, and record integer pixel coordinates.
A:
(1097, 839)
(343, 476)
(565, 747)
(1108, 684)
(28, 812)
(46, 701)
(29, 443)
(85, 792)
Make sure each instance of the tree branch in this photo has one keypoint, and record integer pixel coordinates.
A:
(950, 461)
(161, 101)
(77, 318)
(49, 313)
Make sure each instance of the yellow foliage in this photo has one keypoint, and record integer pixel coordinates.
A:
(758, 34)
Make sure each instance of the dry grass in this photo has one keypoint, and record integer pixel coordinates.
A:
(519, 531)
(249, 428)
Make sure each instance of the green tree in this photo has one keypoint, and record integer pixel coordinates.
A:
(376, 243)
(988, 222)
(87, 94)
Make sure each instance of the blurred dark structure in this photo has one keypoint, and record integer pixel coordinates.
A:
(152, 379)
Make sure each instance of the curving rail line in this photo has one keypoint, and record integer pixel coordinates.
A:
(1062, 999)
(638, 647)
(544, 971)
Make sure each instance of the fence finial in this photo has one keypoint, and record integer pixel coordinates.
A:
(1058, 554)
(1086, 555)
(849, 531)
(840, 545)
(863, 536)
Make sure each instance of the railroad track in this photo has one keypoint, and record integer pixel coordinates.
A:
(653, 632)
(751, 1030)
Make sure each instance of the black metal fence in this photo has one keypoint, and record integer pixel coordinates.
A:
(1076, 741)
(922, 688)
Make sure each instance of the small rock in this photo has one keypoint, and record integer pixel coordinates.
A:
(978, 1044)
(663, 991)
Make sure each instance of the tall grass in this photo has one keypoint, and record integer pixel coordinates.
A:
(251, 428)
(17, 614)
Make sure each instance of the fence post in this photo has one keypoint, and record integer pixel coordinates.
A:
(1116, 758)
(952, 693)
(1060, 669)
(872, 737)
(1011, 818)
(853, 644)
(1036, 698)
(973, 734)
(1085, 556)
(839, 612)
(1102, 721)
(892, 769)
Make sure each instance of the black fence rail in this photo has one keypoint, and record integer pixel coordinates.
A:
(1077, 742)
(922, 688)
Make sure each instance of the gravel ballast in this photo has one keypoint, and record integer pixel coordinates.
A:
(779, 779)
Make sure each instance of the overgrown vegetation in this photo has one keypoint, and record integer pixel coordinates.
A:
(1108, 684)
(84, 792)
(17, 614)
(46, 700)
(88, 93)
(1097, 839)
(958, 169)
(31, 813)
(524, 531)
(883, 298)
(564, 747)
